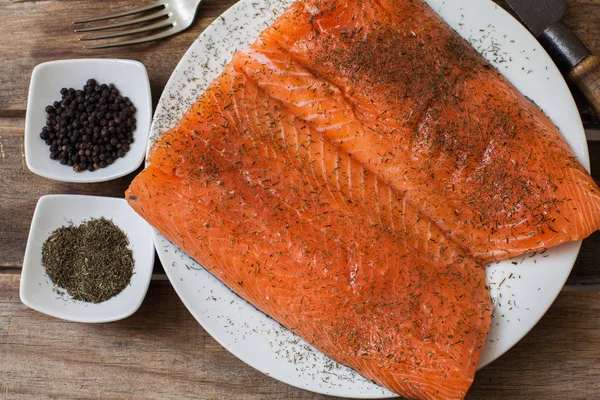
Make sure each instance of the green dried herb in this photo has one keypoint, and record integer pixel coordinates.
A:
(92, 261)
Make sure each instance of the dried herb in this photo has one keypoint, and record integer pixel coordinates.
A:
(92, 261)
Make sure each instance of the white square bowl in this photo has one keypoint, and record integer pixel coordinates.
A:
(130, 77)
(53, 211)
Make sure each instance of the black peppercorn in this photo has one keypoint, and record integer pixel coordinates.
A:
(90, 127)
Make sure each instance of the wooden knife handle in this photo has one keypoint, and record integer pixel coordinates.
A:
(586, 76)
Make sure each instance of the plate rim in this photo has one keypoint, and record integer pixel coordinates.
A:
(157, 236)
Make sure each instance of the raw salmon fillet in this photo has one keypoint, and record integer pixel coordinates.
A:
(349, 174)
(392, 85)
(311, 238)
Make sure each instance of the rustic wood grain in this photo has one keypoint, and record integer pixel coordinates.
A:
(22, 189)
(41, 31)
(162, 352)
(583, 17)
(558, 359)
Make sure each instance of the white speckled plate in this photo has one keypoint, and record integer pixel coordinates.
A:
(522, 288)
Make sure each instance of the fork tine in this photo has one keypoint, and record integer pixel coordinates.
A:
(123, 13)
(125, 23)
(156, 36)
(158, 25)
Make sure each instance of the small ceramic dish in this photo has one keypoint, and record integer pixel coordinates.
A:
(53, 211)
(130, 77)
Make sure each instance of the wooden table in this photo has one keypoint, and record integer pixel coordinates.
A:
(161, 352)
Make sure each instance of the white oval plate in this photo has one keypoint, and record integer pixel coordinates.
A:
(522, 289)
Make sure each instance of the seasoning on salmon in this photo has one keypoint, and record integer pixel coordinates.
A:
(296, 228)
(348, 175)
(396, 88)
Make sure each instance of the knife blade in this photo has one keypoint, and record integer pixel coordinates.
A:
(543, 18)
(538, 15)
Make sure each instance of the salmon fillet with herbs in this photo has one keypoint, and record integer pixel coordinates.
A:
(298, 229)
(391, 84)
(348, 175)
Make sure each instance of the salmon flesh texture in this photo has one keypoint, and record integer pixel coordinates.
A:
(298, 229)
(391, 84)
(349, 173)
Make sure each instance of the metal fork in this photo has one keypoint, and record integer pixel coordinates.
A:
(173, 16)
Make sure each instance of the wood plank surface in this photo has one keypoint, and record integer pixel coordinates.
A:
(583, 17)
(162, 352)
(41, 31)
(22, 189)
